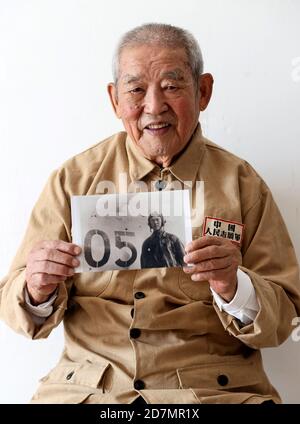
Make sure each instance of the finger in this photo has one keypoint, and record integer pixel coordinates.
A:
(210, 275)
(61, 245)
(54, 255)
(205, 253)
(209, 265)
(41, 280)
(201, 242)
(51, 268)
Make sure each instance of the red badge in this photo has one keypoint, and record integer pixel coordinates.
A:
(218, 227)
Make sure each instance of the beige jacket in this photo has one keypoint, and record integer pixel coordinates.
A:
(173, 345)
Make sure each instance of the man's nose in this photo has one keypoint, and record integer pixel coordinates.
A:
(155, 102)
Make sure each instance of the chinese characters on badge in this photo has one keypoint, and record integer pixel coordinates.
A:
(222, 228)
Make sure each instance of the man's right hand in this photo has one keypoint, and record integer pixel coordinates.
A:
(48, 264)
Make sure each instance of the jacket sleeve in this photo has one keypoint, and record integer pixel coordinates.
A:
(270, 261)
(50, 220)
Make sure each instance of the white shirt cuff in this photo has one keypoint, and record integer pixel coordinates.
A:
(244, 306)
(40, 312)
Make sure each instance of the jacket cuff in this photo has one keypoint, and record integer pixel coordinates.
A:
(244, 306)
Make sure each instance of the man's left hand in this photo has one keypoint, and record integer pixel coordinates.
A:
(216, 260)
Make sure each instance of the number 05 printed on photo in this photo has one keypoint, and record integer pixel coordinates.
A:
(132, 230)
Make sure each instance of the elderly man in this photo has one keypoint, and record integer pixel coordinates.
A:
(160, 335)
(161, 249)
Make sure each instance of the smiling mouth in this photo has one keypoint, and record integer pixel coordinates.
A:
(158, 126)
(158, 129)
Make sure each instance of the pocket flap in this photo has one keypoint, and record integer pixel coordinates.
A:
(49, 394)
(86, 374)
(221, 376)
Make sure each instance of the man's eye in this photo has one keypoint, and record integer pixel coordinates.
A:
(170, 88)
(136, 90)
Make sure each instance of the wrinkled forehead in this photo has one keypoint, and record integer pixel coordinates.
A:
(136, 61)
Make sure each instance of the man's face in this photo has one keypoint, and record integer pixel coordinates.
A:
(155, 223)
(156, 99)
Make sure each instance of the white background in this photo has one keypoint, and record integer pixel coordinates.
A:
(55, 60)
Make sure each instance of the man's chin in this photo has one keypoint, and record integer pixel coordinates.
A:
(155, 146)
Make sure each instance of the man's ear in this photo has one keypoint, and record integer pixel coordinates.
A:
(206, 82)
(113, 95)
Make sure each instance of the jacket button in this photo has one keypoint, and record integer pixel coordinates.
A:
(139, 295)
(135, 333)
(160, 185)
(70, 375)
(222, 380)
(132, 312)
(139, 385)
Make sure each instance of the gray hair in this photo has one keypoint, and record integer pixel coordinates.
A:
(166, 36)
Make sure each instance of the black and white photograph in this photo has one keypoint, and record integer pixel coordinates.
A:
(131, 230)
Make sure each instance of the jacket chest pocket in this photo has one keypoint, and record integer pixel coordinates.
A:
(91, 283)
(195, 290)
